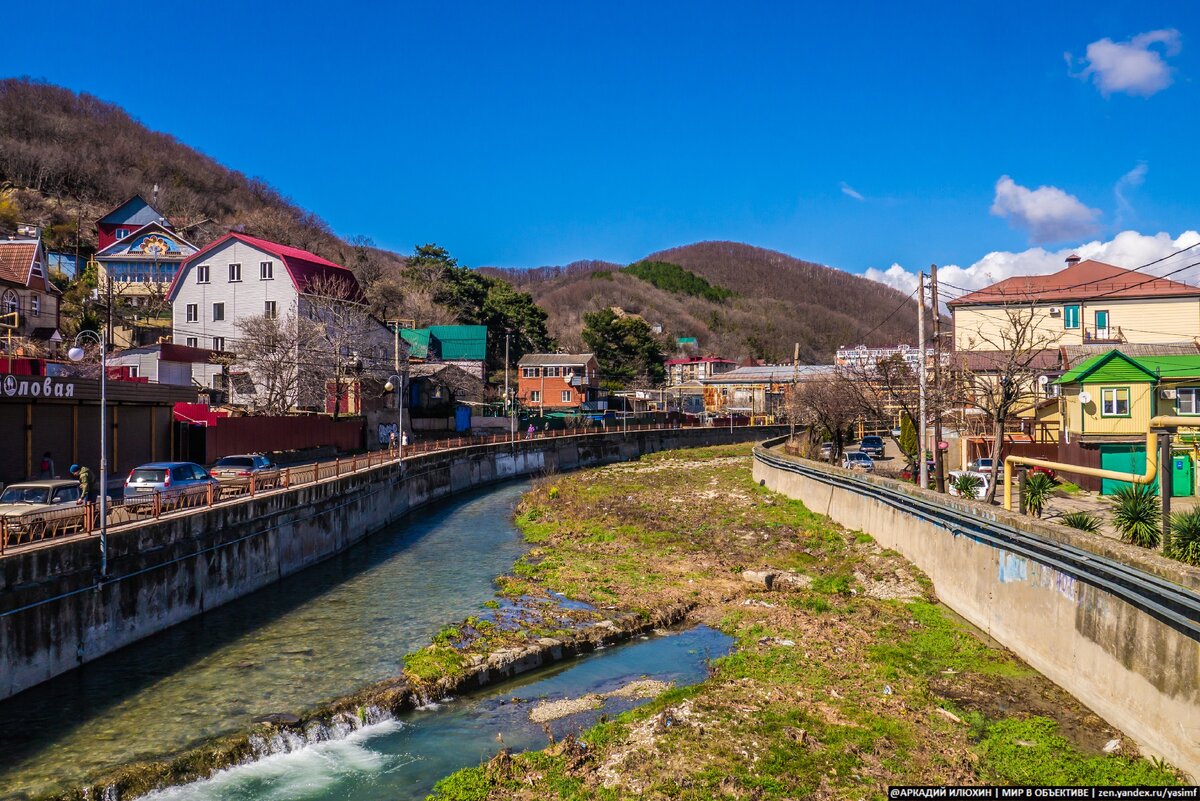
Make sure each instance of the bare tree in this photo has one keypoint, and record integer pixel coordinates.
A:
(999, 372)
(825, 408)
(350, 346)
(278, 353)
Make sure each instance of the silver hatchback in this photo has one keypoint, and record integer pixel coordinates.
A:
(173, 482)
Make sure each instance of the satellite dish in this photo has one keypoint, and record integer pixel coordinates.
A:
(1043, 380)
(1085, 397)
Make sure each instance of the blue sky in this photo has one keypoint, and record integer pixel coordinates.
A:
(521, 134)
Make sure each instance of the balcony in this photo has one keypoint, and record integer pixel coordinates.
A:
(1103, 336)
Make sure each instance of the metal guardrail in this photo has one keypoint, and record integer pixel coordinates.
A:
(1171, 603)
(124, 513)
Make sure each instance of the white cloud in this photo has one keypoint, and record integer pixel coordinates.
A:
(850, 191)
(1127, 249)
(1130, 180)
(1131, 67)
(1047, 213)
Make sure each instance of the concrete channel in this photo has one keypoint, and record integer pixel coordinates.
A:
(1115, 625)
(55, 615)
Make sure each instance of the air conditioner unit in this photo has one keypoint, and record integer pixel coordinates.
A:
(1166, 394)
(1055, 311)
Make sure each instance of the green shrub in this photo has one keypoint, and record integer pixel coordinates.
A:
(967, 485)
(1082, 521)
(1038, 489)
(1137, 515)
(673, 278)
(1185, 536)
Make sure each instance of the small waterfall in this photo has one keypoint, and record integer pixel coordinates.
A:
(339, 727)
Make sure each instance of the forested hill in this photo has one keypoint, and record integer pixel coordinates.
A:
(736, 300)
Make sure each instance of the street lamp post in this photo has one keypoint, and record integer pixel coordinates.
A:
(396, 384)
(75, 354)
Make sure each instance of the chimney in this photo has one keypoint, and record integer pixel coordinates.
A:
(1072, 260)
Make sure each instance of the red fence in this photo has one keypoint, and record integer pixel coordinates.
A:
(261, 434)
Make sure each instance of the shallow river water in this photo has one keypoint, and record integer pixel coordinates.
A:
(323, 633)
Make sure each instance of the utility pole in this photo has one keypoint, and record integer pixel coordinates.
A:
(507, 398)
(939, 466)
(795, 387)
(923, 469)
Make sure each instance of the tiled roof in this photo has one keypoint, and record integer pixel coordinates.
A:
(1081, 281)
(16, 257)
(555, 359)
(1075, 354)
(983, 361)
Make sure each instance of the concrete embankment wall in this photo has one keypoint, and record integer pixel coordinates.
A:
(1116, 626)
(54, 617)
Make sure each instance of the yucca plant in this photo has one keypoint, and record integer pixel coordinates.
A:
(1038, 489)
(1185, 536)
(1082, 521)
(967, 485)
(1137, 515)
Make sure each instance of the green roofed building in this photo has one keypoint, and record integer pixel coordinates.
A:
(1106, 404)
(464, 346)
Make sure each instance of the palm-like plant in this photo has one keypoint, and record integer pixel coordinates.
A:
(967, 485)
(1038, 489)
(1082, 521)
(1137, 515)
(1185, 536)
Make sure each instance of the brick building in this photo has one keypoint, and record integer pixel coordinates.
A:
(559, 382)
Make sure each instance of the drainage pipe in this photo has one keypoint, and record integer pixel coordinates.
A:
(1160, 422)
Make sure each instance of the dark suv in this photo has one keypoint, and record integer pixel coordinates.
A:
(872, 446)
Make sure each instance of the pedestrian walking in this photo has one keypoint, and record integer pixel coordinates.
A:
(392, 442)
(46, 468)
(404, 439)
(532, 430)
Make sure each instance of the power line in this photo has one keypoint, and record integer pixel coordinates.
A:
(894, 311)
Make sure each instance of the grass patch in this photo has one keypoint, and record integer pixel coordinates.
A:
(433, 662)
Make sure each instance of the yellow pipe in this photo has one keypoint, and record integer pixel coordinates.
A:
(1163, 421)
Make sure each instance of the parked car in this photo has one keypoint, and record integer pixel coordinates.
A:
(857, 460)
(234, 472)
(982, 465)
(826, 450)
(174, 481)
(872, 446)
(32, 509)
(985, 482)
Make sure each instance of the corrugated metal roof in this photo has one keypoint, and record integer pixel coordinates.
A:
(418, 342)
(1115, 367)
(461, 342)
(555, 359)
(772, 374)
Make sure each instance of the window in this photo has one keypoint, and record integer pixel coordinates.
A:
(193, 313)
(235, 273)
(535, 397)
(35, 306)
(202, 274)
(269, 310)
(11, 302)
(133, 371)
(37, 269)
(1071, 316)
(1114, 402)
(1187, 400)
(566, 396)
(266, 270)
(192, 342)
(218, 312)
(121, 233)
(218, 343)
(529, 372)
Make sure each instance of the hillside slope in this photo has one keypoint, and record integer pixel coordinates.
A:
(779, 300)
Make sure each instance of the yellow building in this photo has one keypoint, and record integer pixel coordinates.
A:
(1106, 405)
(1088, 302)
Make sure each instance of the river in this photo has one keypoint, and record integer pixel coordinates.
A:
(315, 636)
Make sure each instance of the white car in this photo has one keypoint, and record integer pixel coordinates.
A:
(857, 460)
(985, 482)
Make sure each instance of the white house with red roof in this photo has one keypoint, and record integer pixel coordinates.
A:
(1088, 302)
(27, 291)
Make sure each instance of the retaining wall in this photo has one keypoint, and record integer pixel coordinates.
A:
(54, 616)
(1116, 626)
